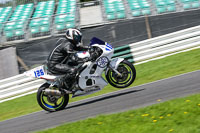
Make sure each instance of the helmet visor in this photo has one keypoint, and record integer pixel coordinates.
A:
(77, 39)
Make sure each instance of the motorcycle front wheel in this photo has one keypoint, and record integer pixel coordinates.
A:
(128, 72)
(51, 103)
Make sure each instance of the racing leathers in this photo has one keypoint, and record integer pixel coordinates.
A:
(61, 61)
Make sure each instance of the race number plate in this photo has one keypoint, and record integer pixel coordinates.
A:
(36, 72)
(39, 72)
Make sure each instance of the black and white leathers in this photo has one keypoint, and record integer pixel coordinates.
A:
(61, 54)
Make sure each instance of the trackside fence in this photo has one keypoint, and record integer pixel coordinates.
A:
(137, 52)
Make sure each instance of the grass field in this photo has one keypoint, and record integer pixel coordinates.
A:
(178, 116)
(147, 72)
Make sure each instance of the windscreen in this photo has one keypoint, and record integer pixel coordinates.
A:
(95, 40)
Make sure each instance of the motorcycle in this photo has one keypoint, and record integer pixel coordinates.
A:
(118, 72)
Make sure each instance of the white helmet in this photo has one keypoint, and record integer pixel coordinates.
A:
(74, 36)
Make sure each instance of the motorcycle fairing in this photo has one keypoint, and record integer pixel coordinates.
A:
(87, 80)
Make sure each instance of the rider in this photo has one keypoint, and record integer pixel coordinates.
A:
(62, 59)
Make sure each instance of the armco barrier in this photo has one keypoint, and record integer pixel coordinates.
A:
(136, 52)
(161, 45)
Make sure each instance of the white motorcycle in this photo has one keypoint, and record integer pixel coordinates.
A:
(89, 79)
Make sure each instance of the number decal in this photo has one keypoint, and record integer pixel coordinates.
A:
(35, 74)
(39, 73)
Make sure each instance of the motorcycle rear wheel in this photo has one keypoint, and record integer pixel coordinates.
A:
(51, 103)
(128, 75)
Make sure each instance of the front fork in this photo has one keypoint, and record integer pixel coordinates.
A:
(113, 65)
(115, 70)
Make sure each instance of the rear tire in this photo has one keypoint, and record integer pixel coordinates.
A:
(128, 75)
(51, 103)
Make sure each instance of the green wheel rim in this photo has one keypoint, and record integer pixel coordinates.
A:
(124, 82)
(49, 105)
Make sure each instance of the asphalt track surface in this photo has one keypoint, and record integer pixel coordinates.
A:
(122, 100)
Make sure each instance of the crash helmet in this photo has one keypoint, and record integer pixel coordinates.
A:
(74, 36)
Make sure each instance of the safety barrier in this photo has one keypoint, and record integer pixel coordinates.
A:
(136, 52)
(161, 45)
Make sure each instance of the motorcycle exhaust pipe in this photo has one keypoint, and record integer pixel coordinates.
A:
(52, 92)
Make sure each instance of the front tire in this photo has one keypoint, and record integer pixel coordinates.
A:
(51, 103)
(128, 75)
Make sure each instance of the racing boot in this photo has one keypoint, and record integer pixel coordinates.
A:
(63, 86)
(60, 82)
(69, 81)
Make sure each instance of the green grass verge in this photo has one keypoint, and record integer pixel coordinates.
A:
(178, 116)
(147, 72)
